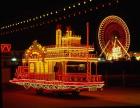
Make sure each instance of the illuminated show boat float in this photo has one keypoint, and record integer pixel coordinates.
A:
(67, 66)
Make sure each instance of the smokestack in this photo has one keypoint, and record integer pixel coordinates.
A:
(58, 35)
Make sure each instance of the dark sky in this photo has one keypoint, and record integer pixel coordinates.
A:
(11, 12)
(17, 10)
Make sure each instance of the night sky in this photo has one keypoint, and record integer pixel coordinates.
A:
(12, 12)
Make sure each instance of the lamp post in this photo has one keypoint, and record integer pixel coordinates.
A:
(14, 63)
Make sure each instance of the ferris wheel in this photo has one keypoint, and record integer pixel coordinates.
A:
(113, 37)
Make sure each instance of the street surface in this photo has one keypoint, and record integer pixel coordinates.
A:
(109, 97)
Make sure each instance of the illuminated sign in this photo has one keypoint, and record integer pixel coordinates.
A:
(5, 48)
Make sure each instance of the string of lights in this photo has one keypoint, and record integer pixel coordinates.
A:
(77, 9)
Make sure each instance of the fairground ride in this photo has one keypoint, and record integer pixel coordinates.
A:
(114, 38)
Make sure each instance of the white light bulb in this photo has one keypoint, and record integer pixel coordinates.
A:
(13, 59)
(33, 18)
(43, 15)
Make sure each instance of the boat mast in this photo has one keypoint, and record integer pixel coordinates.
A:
(88, 73)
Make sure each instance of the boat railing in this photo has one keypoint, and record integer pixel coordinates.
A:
(70, 55)
(69, 46)
(79, 77)
(23, 73)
